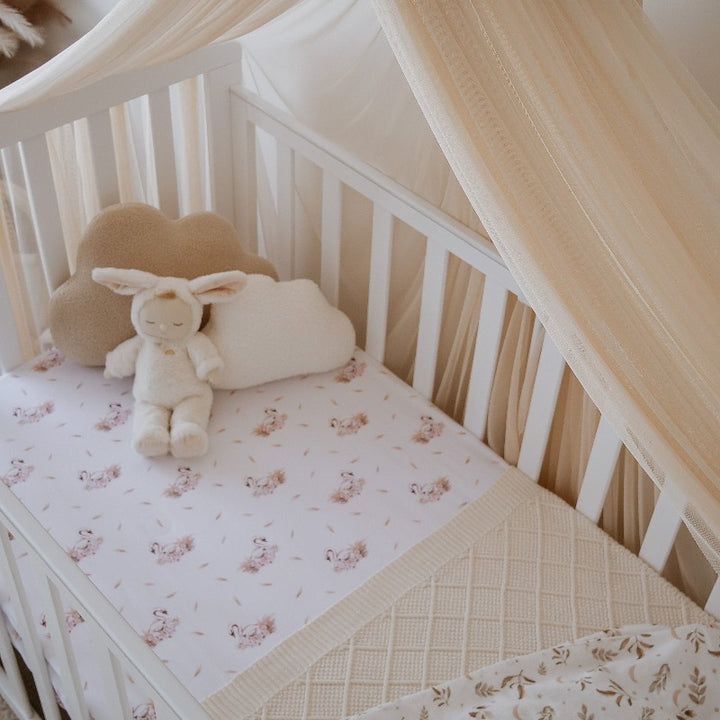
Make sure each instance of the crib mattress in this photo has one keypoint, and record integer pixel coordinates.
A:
(517, 571)
(311, 486)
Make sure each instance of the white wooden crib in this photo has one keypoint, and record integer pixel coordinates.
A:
(232, 118)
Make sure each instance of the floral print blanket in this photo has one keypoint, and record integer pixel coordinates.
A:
(644, 672)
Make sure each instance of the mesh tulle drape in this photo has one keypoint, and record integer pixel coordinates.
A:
(590, 157)
(136, 34)
(362, 105)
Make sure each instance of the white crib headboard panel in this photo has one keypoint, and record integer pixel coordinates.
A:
(139, 109)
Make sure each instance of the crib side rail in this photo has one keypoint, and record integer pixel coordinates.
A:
(118, 648)
(444, 238)
(25, 123)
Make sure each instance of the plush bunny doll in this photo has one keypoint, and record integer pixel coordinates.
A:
(172, 361)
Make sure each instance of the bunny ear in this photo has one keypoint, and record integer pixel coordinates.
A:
(218, 287)
(124, 281)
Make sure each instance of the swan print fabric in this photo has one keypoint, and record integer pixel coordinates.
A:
(313, 484)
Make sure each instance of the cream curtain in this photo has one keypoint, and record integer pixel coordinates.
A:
(592, 159)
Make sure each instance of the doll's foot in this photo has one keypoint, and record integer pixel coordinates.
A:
(152, 441)
(188, 440)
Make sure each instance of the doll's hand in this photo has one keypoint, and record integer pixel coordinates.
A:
(210, 369)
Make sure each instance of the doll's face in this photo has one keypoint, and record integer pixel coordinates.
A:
(166, 318)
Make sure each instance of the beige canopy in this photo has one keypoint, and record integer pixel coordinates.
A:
(593, 161)
(590, 156)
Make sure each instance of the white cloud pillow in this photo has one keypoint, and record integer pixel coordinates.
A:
(273, 330)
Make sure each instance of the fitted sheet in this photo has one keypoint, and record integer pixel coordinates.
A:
(515, 572)
(311, 486)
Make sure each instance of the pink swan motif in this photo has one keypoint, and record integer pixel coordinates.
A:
(347, 558)
(430, 491)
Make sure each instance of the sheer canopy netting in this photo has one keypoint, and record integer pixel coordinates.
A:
(136, 34)
(589, 155)
(592, 159)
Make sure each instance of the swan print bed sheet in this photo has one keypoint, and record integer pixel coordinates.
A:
(310, 486)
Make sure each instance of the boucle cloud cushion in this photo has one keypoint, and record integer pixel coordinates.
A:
(87, 320)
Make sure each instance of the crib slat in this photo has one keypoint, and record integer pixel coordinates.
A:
(14, 185)
(379, 283)
(74, 699)
(712, 604)
(11, 681)
(17, 319)
(104, 164)
(161, 129)
(34, 654)
(599, 471)
(21, 708)
(661, 532)
(27, 264)
(115, 693)
(286, 211)
(542, 408)
(330, 238)
(431, 308)
(11, 352)
(485, 356)
(217, 99)
(44, 210)
(245, 164)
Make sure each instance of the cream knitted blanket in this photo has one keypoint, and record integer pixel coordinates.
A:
(517, 571)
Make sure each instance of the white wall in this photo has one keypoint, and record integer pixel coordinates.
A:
(83, 14)
(691, 28)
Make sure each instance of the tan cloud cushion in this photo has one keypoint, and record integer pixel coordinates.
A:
(88, 320)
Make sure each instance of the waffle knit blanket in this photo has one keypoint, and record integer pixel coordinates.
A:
(516, 572)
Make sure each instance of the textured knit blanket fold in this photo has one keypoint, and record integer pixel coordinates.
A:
(638, 672)
(517, 571)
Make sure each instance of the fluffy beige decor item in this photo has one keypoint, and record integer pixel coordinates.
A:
(88, 320)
